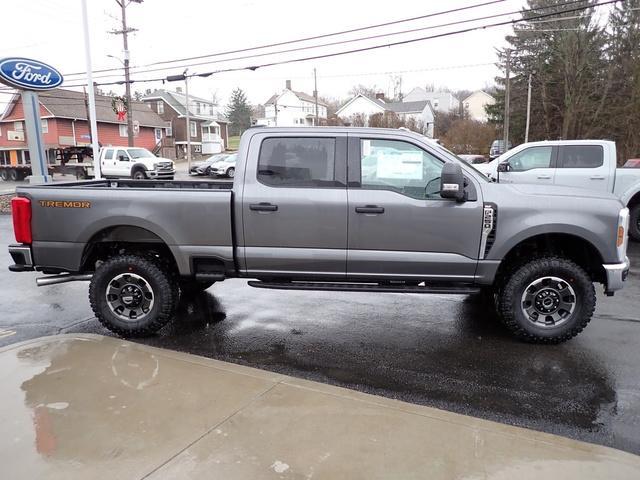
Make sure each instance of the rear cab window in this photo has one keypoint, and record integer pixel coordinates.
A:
(108, 154)
(298, 162)
(580, 156)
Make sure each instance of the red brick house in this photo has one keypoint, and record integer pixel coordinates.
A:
(63, 115)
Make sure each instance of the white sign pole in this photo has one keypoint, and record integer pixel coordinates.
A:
(92, 98)
(33, 127)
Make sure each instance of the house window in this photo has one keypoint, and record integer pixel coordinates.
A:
(169, 129)
(435, 104)
(160, 107)
(18, 127)
(158, 134)
(44, 123)
(211, 110)
(194, 131)
(123, 130)
(0, 131)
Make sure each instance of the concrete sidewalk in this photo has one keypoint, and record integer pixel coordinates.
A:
(86, 406)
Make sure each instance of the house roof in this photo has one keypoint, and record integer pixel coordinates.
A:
(301, 95)
(479, 92)
(178, 100)
(63, 103)
(396, 107)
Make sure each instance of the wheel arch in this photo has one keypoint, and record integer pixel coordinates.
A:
(573, 247)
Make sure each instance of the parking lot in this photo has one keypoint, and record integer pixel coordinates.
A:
(443, 351)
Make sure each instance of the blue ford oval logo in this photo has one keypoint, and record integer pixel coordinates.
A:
(29, 74)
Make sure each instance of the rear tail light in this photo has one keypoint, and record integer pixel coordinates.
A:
(21, 212)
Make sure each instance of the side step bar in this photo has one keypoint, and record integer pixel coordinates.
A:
(364, 287)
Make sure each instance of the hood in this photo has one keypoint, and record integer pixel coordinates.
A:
(162, 159)
(560, 191)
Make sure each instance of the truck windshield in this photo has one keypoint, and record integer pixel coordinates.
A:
(140, 153)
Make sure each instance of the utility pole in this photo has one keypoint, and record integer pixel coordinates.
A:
(125, 41)
(91, 119)
(315, 94)
(507, 93)
(275, 109)
(186, 94)
(526, 130)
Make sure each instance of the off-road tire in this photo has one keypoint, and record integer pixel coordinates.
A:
(189, 286)
(156, 275)
(138, 174)
(515, 282)
(634, 223)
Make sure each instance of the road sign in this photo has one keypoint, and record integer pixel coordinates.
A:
(28, 74)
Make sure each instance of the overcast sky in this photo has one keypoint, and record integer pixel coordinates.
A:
(51, 31)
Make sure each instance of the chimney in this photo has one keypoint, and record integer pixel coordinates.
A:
(179, 89)
(288, 84)
(380, 96)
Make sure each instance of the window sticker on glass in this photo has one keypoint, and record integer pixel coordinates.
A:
(407, 165)
(366, 148)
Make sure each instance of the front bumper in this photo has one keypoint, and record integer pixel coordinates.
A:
(616, 275)
(21, 255)
(161, 174)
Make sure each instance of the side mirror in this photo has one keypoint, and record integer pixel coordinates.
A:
(504, 167)
(452, 182)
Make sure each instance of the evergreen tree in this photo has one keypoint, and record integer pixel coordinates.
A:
(238, 112)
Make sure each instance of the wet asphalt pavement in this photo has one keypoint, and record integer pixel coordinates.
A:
(443, 351)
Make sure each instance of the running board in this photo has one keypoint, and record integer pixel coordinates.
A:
(364, 287)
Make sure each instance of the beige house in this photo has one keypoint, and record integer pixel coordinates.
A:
(474, 105)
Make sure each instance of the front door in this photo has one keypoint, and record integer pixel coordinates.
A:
(532, 165)
(123, 164)
(399, 226)
(295, 206)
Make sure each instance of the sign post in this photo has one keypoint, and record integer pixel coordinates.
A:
(30, 76)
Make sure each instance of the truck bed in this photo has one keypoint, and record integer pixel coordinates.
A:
(193, 219)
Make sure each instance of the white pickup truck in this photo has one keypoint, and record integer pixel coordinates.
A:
(134, 162)
(577, 163)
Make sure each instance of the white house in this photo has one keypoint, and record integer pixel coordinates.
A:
(440, 101)
(363, 106)
(474, 105)
(291, 108)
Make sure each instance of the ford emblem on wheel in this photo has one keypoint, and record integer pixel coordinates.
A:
(28, 74)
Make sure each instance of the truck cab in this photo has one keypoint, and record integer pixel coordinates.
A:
(134, 162)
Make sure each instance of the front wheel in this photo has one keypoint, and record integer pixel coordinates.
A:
(138, 175)
(231, 172)
(547, 300)
(132, 296)
(634, 223)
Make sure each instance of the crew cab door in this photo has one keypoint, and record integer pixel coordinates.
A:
(294, 206)
(122, 163)
(531, 165)
(107, 161)
(399, 226)
(584, 166)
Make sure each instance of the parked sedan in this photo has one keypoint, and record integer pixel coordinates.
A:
(204, 167)
(225, 167)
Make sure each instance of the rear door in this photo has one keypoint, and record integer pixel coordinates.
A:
(532, 165)
(107, 162)
(583, 166)
(294, 206)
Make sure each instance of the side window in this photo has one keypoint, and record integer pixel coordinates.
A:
(530, 158)
(122, 156)
(108, 154)
(581, 156)
(400, 167)
(297, 162)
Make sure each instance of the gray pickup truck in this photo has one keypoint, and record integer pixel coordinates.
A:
(340, 209)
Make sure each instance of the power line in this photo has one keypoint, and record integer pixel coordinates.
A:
(373, 47)
(305, 39)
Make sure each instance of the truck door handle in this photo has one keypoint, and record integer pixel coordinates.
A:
(263, 207)
(544, 177)
(370, 209)
(597, 177)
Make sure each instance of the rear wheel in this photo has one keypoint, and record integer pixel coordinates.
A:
(132, 296)
(547, 300)
(634, 223)
(81, 173)
(138, 175)
(13, 175)
(4, 174)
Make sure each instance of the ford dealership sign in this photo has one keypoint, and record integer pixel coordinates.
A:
(29, 74)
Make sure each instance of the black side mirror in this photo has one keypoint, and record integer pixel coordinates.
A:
(504, 167)
(452, 182)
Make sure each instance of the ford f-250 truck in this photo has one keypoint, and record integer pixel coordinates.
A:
(575, 163)
(341, 209)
